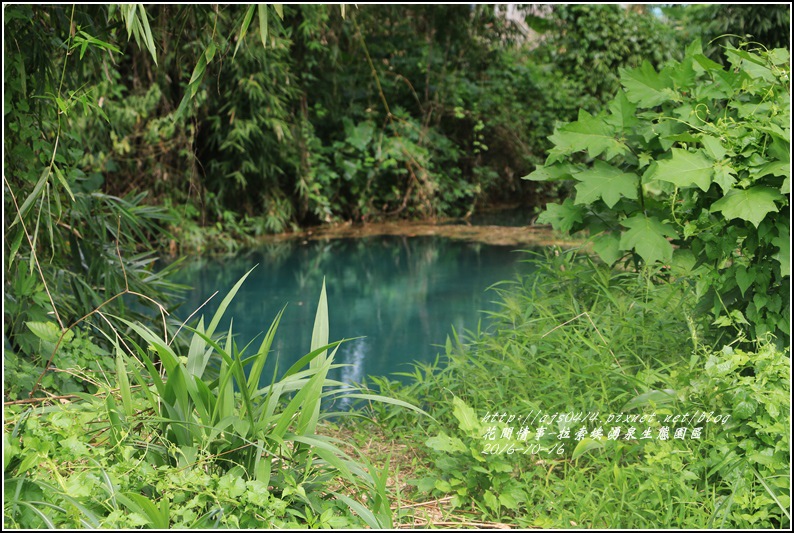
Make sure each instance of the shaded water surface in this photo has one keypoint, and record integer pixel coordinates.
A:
(401, 295)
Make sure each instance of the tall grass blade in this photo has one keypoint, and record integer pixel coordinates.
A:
(224, 304)
(255, 373)
(320, 331)
(366, 515)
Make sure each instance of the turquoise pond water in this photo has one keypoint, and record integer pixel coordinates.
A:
(401, 295)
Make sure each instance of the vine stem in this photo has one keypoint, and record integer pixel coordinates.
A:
(161, 308)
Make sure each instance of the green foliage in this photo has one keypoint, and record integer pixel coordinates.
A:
(193, 440)
(752, 453)
(72, 248)
(690, 167)
(719, 25)
(580, 337)
(586, 45)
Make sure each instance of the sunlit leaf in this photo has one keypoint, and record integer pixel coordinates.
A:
(249, 15)
(263, 23)
(646, 235)
(646, 87)
(751, 204)
(589, 134)
(562, 217)
(606, 182)
(686, 169)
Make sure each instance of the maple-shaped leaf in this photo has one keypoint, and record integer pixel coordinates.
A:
(556, 172)
(563, 216)
(713, 147)
(622, 113)
(748, 204)
(724, 176)
(588, 133)
(606, 182)
(683, 74)
(646, 235)
(607, 246)
(686, 169)
(646, 87)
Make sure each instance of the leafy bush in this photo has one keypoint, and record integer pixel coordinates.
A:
(690, 168)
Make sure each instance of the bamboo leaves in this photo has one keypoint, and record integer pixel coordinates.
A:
(137, 23)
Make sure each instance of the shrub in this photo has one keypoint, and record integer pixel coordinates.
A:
(689, 167)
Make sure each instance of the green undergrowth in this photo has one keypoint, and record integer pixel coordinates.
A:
(186, 435)
(624, 356)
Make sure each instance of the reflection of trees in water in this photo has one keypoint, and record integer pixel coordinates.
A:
(401, 293)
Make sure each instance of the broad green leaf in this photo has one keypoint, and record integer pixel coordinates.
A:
(683, 74)
(386, 399)
(706, 63)
(651, 398)
(491, 501)
(62, 179)
(751, 204)
(467, 418)
(366, 515)
(744, 278)
(48, 331)
(225, 303)
(753, 65)
(157, 517)
(724, 176)
(774, 168)
(148, 39)
(607, 246)
(15, 244)
(622, 113)
(210, 51)
(556, 172)
(444, 443)
(562, 217)
(645, 87)
(646, 235)
(686, 169)
(588, 133)
(509, 501)
(255, 372)
(606, 182)
(123, 383)
(713, 147)
(198, 356)
(33, 195)
(198, 73)
(279, 10)
(584, 446)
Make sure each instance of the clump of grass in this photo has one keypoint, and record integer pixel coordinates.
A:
(211, 446)
(580, 338)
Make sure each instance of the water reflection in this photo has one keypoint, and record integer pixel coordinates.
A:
(401, 294)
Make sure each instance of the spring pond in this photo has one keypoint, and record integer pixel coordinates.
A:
(396, 297)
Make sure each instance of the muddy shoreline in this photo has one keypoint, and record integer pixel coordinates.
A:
(486, 234)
